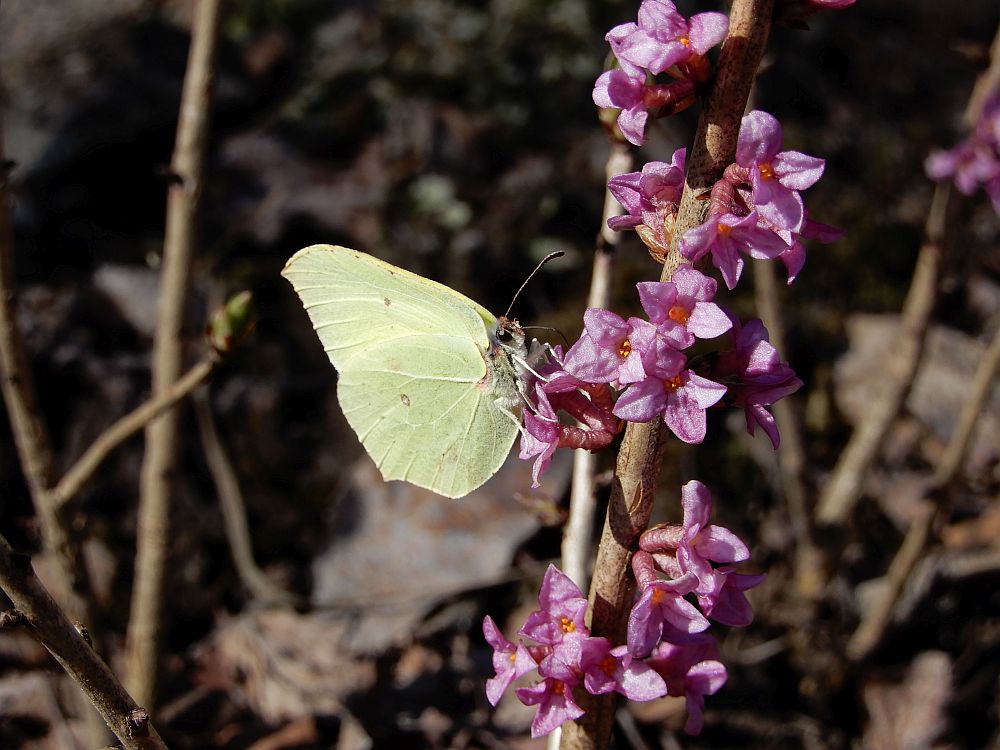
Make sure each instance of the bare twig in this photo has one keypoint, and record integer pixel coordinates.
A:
(641, 454)
(143, 637)
(85, 466)
(231, 503)
(791, 453)
(916, 542)
(843, 487)
(578, 534)
(877, 618)
(30, 434)
(986, 84)
(50, 626)
(982, 385)
(577, 538)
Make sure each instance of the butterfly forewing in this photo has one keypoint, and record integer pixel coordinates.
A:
(419, 374)
(354, 299)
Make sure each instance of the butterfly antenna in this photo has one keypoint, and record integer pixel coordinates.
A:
(546, 259)
(548, 328)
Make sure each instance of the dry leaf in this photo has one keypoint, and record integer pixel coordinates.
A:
(910, 715)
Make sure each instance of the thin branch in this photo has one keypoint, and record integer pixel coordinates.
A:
(578, 534)
(869, 632)
(50, 626)
(143, 636)
(843, 488)
(34, 448)
(875, 621)
(641, 453)
(81, 471)
(791, 453)
(577, 538)
(982, 385)
(231, 503)
(873, 625)
(986, 84)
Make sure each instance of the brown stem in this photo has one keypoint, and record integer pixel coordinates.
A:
(982, 384)
(30, 434)
(50, 626)
(234, 517)
(843, 488)
(877, 618)
(158, 469)
(791, 453)
(641, 454)
(577, 543)
(875, 621)
(85, 466)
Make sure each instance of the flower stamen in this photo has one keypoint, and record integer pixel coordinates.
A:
(678, 314)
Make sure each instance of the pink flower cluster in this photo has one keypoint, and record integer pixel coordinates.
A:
(756, 207)
(642, 360)
(662, 41)
(975, 162)
(556, 389)
(667, 651)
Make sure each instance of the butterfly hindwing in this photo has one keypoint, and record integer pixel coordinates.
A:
(420, 372)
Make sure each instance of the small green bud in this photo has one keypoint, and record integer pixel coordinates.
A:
(232, 322)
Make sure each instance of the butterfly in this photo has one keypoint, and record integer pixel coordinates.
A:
(425, 379)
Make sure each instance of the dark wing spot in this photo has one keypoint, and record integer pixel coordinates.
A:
(387, 301)
(405, 399)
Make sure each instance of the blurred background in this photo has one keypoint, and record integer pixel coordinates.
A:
(459, 140)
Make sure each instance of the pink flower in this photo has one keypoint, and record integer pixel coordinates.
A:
(682, 308)
(728, 604)
(691, 669)
(725, 237)
(703, 543)
(554, 390)
(697, 542)
(509, 661)
(562, 612)
(681, 399)
(663, 38)
(975, 162)
(623, 89)
(540, 436)
(612, 349)
(757, 376)
(650, 194)
(776, 176)
(660, 605)
(607, 669)
(554, 699)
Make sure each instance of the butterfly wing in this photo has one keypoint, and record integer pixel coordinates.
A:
(419, 375)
